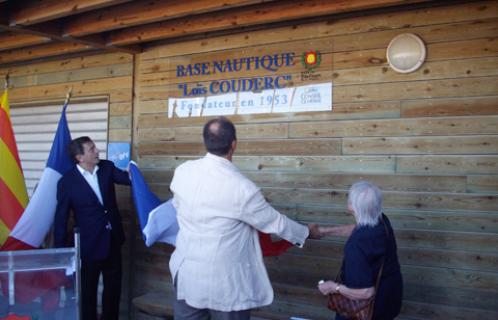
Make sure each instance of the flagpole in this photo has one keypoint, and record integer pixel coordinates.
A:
(68, 95)
(6, 78)
(77, 247)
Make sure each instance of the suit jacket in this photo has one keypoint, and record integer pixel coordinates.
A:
(217, 263)
(74, 193)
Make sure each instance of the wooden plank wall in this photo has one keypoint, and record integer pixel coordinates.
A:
(108, 75)
(429, 139)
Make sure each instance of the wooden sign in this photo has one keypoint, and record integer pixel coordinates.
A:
(257, 81)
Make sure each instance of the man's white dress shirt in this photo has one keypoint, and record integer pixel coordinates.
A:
(218, 263)
(93, 180)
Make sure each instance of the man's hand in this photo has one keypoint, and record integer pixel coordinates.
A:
(128, 168)
(314, 231)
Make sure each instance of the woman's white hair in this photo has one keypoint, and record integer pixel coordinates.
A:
(365, 199)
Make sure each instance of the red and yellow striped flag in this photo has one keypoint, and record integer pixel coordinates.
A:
(13, 195)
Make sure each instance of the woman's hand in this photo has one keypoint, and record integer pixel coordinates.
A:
(332, 287)
(327, 287)
(341, 231)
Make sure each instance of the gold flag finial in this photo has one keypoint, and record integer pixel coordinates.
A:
(68, 95)
(7, 78)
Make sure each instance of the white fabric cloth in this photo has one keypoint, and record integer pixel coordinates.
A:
(218, 263)
(93, 180)
(161, 225)
(38, 216)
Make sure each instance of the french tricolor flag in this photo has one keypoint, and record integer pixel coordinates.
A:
(35, 222)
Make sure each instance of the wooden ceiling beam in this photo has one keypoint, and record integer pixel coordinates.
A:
(31, 24)
(11, 40)
(42, 51)
(146, 11)
(37, 11)
(272, 12)
(51, 30)
(99, 41)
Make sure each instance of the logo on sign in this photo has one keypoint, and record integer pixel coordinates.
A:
(311, 59)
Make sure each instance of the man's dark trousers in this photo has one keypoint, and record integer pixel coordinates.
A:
(111, 273)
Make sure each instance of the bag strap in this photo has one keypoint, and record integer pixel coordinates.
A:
(384, 258)
(379, 276)
(380, 271)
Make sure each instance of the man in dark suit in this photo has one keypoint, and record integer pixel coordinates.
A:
(88, 190)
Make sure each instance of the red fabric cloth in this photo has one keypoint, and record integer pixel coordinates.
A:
(272, 248)
(15, 317)
(33, 284)
(12, 244)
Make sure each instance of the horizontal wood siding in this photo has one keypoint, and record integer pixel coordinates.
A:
(429, 139)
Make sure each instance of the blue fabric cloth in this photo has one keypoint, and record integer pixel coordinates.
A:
(58, 158)
(145, 200)
(157, 221)
(363, 255)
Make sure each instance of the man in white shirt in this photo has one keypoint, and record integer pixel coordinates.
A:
(217, 266)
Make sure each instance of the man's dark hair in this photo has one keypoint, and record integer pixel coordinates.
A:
(219, 133)
(75, 147)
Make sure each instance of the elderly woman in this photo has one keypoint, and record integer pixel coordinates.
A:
(371, 243)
